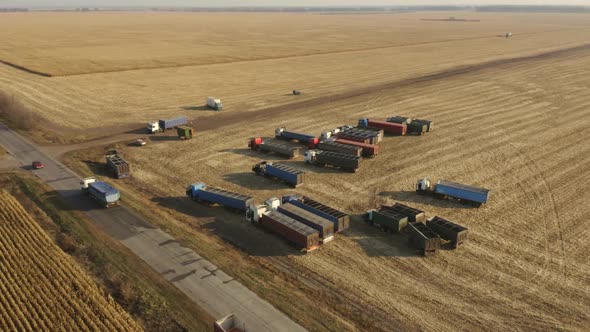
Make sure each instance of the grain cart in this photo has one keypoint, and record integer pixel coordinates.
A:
(447, 189)
(117, 165)
(102, 192)
(423, 238)
(339, 160)
(184, 132)
(274, 146)
(310, 141)
(163, 125)
(448, 230)
(301, 236)
(388, 127)
(214, 103)
(340, 219)
(285, 173)
(388, 221)
(202, 193)
(322, 225)
(414, 215)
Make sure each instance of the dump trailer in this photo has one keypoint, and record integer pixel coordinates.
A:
(229, 323)
(163, 125)
(320, 224)
(309, 140)
(184, 132)
(339, 160)
(214, 103)
(447, 189)
(340, 219)
(389, 221)
(341, 148)
(369, 150)
(375, 133)
(448, 230)
(203, 193)
(301, 236)
(274, 146)
(399, 119)
(357, 137)
(414, 215)
(286, 173)
(102, 192)
(429, 124)
(117, 165)
(423, 238)
(417, 128)
(389, 127)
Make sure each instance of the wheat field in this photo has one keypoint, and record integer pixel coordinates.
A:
(42, 288)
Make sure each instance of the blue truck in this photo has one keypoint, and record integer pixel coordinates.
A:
(202, 193)
(310, 140)
(286, 173)
(447, 189)
(163, 125)
(340, 219)
(102, 192)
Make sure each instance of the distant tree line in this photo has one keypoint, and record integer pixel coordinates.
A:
(534, 9)
(12, 10)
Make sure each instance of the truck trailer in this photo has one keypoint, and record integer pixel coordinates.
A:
(274, 146)
(423, 238)
(455, 234)
(413, 214)
(285, 173)
(320, 224)
(310, 141)
(388, 221)
(369, 150)
(341, 148)
(163, 125)
(340, 219)
(389, 127)
(117, 165)
(203, 193)
(354, 136)
(301, 236)
(184, 132)
(447, 189)
(339, 160)
(102, 192)
(214, 103)
(375, 134)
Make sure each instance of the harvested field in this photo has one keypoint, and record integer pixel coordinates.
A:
(43, 289)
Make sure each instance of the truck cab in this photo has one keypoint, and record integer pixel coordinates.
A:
(153, 127)
(423, 185)
(193, 189)
(255, 212)
(279, 131)
(84, 183)
(214, 103)
(309, 156)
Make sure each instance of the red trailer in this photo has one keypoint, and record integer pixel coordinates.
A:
(369, 150)
(388, 127)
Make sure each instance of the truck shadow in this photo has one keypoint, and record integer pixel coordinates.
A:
(197, 108)
(231, 227)
(166, 138)
(256, 182)
(139, 131)
(377, 243)
(73, 200)
(254, 154)
(413, 197)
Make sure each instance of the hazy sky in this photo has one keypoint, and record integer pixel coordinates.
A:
(210, 3)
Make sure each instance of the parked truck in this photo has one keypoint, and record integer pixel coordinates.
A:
(301, 236)
(387, 220)
(414, 127)
(341, 148)
(214, 103)
(413, 214)
(309, 140)
(354, 136)
(447, 189)
(375, 134)
(184, 132)
(455, 234)
(339, 160)
(102, 192)
(429, 123)
(254, 212)
(203, 193)
(229, 323)
(320, 224)
(389, 127)
(117, 165)
(163, 125)
(423, 238)
(369, 150)
(285, 173)
(340, 219)
(274, 146)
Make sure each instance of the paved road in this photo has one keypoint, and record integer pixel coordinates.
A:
(212, 289)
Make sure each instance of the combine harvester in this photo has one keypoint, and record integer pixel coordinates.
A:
(102, 192)
(274, 146)
(285, 173)
(447, 189)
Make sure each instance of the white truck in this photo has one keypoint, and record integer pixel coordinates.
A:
(214, 103)
(255, 212)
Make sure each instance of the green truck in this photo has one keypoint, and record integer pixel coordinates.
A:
(184, 132)
(389, 221)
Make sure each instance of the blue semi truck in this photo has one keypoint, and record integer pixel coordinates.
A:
(286, 173)
(102, 192)
(310, 140)
(202, 193)
(447, 189)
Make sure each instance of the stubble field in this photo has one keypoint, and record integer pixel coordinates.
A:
(518, 126)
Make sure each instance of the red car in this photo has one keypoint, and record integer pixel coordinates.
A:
(37, 165)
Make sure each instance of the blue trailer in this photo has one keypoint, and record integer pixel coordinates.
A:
(309, 140)
(202, 193)
(286, 173)
(104, 193)
(340, 219)
(447, 189)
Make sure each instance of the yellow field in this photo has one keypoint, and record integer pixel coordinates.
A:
(42, 288)
(510, 115)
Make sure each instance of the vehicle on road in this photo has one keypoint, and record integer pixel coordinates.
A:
(102, 192)
(139, 142)
(214, 103)
(37, 165)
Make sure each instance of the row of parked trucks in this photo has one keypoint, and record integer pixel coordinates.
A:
(303, 222)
